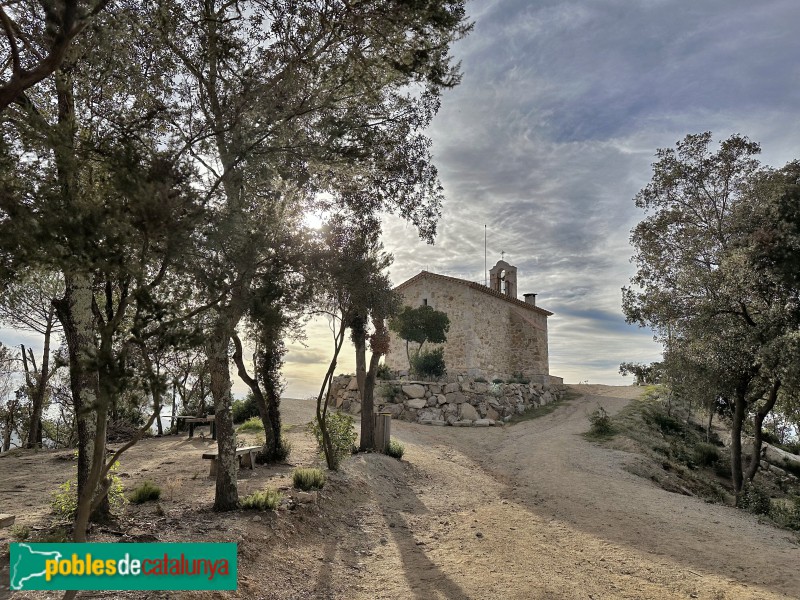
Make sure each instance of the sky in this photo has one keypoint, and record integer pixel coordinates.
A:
(552, 132)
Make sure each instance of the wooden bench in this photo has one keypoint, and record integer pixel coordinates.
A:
(246, 456)
(192, 420)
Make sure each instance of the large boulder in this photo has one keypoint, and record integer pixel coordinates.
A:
(456, 398)
(417, 403)
(414, 390)
(467, 412)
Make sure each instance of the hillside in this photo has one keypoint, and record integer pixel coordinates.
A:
(530, 511)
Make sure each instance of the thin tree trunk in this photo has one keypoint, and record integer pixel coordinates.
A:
(325, 391)
(758, 423)
(35, 429)
(227, 494)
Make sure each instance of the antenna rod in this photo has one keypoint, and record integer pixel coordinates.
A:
(485, 267)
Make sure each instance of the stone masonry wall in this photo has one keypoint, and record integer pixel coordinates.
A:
(460, 402)
(489, 336)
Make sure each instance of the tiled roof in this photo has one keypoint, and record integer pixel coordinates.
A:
(476, 286)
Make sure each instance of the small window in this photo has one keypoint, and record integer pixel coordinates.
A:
(424, 302)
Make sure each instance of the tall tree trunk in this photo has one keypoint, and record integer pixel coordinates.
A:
(227, 494)
(758, 423)
(739, 410)
(368, 404)
(75, 313)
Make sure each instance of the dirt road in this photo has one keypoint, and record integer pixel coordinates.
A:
(535, 511)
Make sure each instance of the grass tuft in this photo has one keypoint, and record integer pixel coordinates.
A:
(267, 499)
(307, 479)
(144, 492)
(252, 425)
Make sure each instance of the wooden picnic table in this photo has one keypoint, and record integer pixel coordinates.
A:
(192, 420)
(246, 456)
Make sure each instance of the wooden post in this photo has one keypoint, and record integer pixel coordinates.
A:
(383, 431)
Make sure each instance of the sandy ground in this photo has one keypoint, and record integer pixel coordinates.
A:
(529, 511)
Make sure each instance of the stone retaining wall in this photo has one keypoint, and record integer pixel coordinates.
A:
(461, 402)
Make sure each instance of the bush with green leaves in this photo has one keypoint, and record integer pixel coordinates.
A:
(787, 514)
(64, 503)
(267, 499)
(396, 449)
(755, 499)
(341, 432)
(706, 455)
(251, 425)
(308, 479)
(384, 372)
(144, 492)
(244, 409)
(428, 363)
(600, 422)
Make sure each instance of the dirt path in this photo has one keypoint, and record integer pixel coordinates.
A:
(530, 511)
(536, 511)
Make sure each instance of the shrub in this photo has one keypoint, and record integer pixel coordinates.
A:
(600, 422)
(244, 409)
(145, 491)
(706, 455)
(64, 503)
(392, 392)
(281, 453)
(667, 424)
(396, 449)
(384, 372)
(341, 432)
(252, 425)
(267, 499)
(20, 532)
(755, 499)
(497, 380)
(308, 479)
(429, 363)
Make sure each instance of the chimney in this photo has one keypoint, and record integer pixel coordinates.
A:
(530, 299)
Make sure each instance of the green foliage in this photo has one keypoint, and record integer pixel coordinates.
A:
(420, 325)
(341, 432)
(252, 425)
(786, 513)
(144, 492)
(20, 532)
(643, 374)
(396, 449)
(667, 424)
(755, 499)
(384, 372)
(244, 409)
(308, 479)
(706, 455)
(600, 422)
(64, 502)
(428, 364)
(267, 499)
(392, 391)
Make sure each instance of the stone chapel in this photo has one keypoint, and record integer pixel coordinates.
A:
(492, 332)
